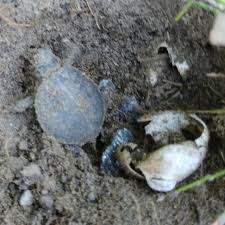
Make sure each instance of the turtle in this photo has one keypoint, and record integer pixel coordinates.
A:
(68, 104)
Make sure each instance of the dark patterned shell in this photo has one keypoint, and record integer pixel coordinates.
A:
(69, 106)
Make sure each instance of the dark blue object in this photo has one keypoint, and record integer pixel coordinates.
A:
(109, 163)
(130, 107)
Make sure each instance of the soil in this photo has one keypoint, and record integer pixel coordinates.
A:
(115, 40)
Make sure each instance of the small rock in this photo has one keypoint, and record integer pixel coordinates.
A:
(10, 145)
(31, 170)
(92, 197)
(48, 184)
(153, 77)
(31, 174)
(22, 105)
(46, 201)
(23, 145)
(26, 199)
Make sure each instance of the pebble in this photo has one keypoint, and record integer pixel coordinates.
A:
(31, 174)
(23, 145)
(26, 199)
(31, 171)
(46, 201)
(92, 197)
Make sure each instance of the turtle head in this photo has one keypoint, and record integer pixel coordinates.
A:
(45, 63)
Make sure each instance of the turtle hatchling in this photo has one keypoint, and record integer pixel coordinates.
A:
(68, 104)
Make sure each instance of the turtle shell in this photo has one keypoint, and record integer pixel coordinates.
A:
(70, 107)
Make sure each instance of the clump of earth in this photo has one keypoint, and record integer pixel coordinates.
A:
(115, 40)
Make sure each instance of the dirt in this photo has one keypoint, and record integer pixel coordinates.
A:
(115, 40)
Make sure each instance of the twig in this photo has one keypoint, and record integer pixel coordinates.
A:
(92, 13)
(6, 147)
(215, 91)
(222, 156)
(78, 6)
(173, 83)
(215, 75)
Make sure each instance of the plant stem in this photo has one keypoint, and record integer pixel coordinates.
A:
(209, 111)
(200, 4)
(204, 6)
(221, 1)
(201, 181)
(184, 10)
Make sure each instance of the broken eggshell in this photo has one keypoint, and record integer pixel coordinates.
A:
(164, 124)
(217, 36)
(181, 65)
(68, 104)
(170, 164)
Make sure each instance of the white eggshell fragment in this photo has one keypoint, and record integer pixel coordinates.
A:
(181, 65)
(26, 199)
(163, 124)
(172, 163)
(217, 34)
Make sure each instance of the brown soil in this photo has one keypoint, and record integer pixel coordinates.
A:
(117, 40)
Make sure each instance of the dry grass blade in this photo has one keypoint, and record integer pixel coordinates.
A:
(92, 13)
(201, 181)
(9, 21)
(215, 75)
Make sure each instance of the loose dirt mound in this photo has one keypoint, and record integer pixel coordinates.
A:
(115, 40)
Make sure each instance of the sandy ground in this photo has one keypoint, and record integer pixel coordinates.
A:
(115, 40)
